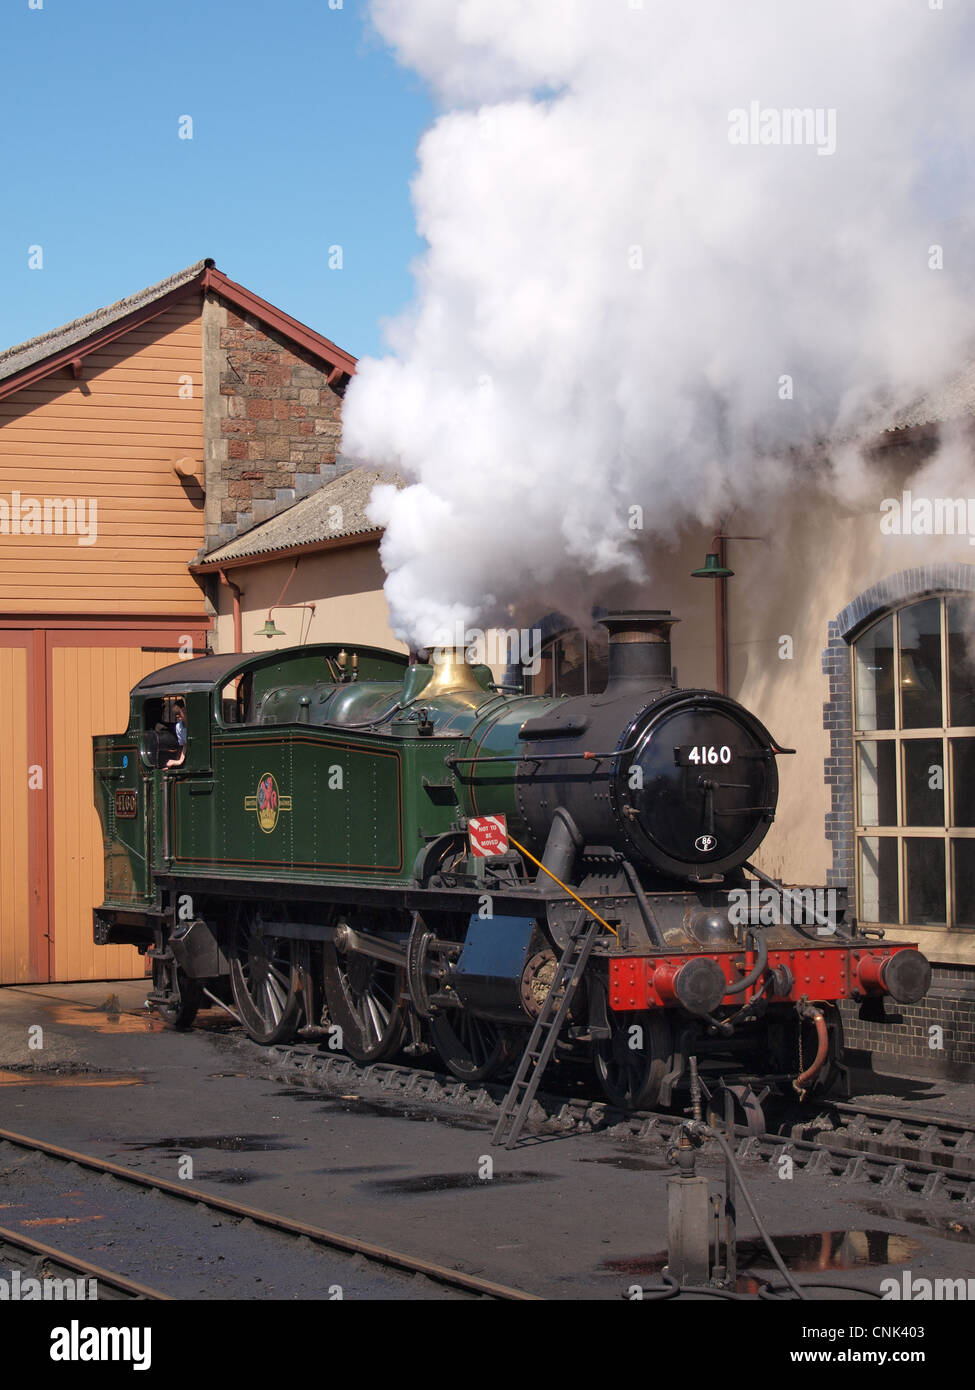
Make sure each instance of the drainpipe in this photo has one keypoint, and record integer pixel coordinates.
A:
(721, 621)
(238, 617)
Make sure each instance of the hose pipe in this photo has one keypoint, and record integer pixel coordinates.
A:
(761, 950)
(802, 1081)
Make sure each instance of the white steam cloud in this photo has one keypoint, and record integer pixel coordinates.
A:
(621, 290)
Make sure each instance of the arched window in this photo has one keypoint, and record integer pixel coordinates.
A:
(572, 666)
(914, 761)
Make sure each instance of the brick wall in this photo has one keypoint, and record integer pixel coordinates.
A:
(897, 1048)
(905, 1048)
(272, 423)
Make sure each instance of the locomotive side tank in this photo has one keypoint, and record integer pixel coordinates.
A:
(310, 860)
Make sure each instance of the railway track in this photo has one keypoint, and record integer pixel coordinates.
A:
(925, 1155)
(378, 1255)
(28, 1259)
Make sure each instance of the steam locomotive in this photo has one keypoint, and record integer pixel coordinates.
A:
(313, 858)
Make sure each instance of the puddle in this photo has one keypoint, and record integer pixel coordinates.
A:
(100, 1021)
(389, 1110)
(218, 1075)
(357, 1172)
(447, 1182)
(234, 1177)
(634, 1165)
(816, 1253)
(232, 1143)
(31, 1078)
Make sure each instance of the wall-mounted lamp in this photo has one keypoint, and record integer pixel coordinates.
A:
(714, 567)
(269, 629)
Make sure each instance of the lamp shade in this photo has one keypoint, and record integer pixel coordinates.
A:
(712, 570)
(269, 630)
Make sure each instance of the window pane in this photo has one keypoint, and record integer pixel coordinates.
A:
(924, 781)
(878, 879)
(570, 669)
(961, 660)
(878, 786)
(598, 658)
(926, 882)
(920, 651)
(875, 677)
(963, 855)
(963, 781)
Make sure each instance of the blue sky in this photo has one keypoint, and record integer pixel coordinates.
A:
(304, 137)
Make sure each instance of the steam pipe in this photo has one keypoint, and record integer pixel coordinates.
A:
(563, 846)
(649, 921)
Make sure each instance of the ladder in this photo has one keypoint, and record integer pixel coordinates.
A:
(548, 1025)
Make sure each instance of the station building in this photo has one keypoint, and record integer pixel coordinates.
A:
(131, 441)
(227, 515)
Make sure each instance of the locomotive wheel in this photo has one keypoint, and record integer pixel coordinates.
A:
(262, 977)
(472, 1048)
(364, 997)
(187, 996)
(631, 1077)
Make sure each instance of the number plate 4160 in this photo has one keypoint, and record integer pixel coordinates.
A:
(704, 755)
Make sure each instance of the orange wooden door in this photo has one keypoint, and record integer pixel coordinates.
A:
(15, 819)
(89, 694)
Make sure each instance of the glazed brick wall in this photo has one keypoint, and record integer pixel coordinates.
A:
(897, 1048)
(903, 1048)
(274, 424)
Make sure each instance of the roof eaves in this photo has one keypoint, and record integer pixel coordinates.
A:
(48, 353)
(213, 563)
(85, 335)
(342, 362)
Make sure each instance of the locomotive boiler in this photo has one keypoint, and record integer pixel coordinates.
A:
(311, 859)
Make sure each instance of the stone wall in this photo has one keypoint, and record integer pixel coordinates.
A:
(272, 423)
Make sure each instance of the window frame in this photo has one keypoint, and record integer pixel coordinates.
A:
(948, 833)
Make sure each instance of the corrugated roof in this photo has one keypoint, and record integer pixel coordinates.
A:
(15, 359)
(313, 519)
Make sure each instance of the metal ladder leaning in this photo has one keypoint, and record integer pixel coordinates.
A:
(558, 1002)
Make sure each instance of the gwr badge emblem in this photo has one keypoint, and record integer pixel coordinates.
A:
(268, 803)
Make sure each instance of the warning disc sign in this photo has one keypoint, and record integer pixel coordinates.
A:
(488, 835)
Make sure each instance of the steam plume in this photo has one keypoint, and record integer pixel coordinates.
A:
(619, 288)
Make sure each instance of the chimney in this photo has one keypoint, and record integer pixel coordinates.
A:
(639, 648)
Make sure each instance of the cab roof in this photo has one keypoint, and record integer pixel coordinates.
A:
(213, 672)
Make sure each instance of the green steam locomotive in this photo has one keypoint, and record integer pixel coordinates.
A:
(400, 855)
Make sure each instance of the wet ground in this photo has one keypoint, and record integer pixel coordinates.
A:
(579, 1216)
